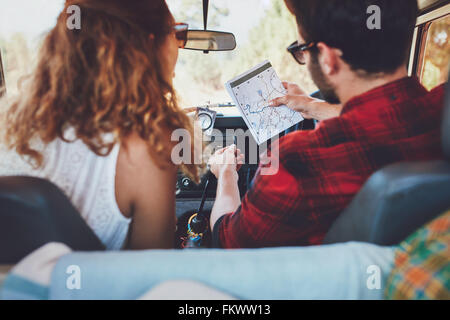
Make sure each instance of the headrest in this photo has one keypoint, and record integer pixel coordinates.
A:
(446, 123)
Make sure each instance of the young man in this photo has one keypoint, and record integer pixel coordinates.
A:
(385, 117)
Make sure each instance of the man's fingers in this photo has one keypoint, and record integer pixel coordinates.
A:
(293, 88)
(278, 101)
(220, 151)
(285, 84)
(230, 155)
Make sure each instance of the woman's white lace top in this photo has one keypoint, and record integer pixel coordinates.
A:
(86, 178)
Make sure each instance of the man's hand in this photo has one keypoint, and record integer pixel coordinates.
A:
(226, 160)
(295, 99)
(224, 164)
(310, 108)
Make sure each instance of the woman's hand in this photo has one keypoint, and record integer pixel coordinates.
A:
(225, 161)
(310, 108)
(190, 110)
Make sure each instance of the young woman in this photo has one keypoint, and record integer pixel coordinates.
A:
(96, 116)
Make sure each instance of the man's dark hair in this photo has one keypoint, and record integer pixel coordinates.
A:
(342, 24)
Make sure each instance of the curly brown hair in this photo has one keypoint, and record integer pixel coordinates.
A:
(104, 78)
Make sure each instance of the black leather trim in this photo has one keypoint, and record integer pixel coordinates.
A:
(394, 202)
(34, 212)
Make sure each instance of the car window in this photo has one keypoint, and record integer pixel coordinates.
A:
(436, 53)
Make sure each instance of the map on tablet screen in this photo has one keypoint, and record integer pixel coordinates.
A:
(252, 92)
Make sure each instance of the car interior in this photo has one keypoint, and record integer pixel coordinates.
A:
(393, 203)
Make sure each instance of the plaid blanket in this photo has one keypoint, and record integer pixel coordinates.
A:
(422, 264)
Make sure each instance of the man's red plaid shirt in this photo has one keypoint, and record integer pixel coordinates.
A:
(322, 170)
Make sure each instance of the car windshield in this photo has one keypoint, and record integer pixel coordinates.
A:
(200, 77)
(263, 35)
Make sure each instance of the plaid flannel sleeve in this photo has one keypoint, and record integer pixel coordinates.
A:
(273, 208)
(260, 220)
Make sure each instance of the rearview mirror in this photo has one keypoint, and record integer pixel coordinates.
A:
(205, 40)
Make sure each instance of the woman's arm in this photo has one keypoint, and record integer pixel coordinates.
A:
(151, 195)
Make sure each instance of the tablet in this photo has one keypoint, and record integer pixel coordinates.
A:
(251, 92)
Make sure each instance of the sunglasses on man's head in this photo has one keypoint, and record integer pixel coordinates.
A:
(181, 33)
(298, 51)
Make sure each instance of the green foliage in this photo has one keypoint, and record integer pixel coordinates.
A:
(268, 41)
(437, 54)
(201, 77)
(191, 11)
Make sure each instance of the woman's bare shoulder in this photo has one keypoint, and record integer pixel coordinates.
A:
(136, 171)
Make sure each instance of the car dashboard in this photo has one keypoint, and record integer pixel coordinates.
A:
(189, 194)
(228, 119)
